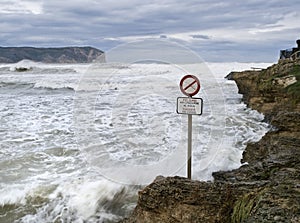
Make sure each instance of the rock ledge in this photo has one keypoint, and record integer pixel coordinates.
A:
(266, 189)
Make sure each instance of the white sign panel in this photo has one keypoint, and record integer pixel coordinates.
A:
(189, 106)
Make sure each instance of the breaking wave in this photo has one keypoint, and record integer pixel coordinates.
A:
(45, 176)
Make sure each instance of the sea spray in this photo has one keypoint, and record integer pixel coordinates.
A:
(44, 173)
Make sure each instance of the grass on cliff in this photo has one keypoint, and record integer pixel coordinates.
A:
(294, 89)
(243, 207)
(267, 87)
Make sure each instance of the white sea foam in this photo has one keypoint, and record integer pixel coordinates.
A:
(48, 165)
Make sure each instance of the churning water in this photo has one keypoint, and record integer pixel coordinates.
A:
(78, 141)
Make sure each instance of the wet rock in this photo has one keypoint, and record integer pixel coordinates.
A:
(287, 121)
(266, 188)
(178, 199)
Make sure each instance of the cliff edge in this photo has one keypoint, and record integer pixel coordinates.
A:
(266, 188)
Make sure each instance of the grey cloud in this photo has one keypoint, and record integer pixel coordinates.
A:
(199, 36)
(102, 23)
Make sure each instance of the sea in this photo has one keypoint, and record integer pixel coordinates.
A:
(78, 141)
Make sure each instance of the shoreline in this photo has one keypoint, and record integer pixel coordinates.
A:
(266, 188)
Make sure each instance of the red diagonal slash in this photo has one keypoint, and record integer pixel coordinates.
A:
(190, 84)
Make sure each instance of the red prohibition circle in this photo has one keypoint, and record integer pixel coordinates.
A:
(184, 89)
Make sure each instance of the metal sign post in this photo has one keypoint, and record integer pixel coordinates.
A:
(190, 86)
(189, 154)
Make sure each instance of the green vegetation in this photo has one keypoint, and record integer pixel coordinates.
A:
(294, 89)
(243, 207)
(266, 85)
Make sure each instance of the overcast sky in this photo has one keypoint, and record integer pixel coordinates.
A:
(233, 30)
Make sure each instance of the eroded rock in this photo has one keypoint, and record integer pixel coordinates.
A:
(265, 189)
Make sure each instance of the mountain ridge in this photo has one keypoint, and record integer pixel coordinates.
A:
(71, 54)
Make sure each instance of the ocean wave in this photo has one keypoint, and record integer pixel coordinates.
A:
(15, 85)
(38, 67)
(37, 86)
(54, 86)
(79, 200)
(48, 177)
(40, 70)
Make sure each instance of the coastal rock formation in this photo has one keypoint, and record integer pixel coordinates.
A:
(271, 90)
(50, 55)
(266, 188)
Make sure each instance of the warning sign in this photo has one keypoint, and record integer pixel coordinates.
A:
(189, 85)
(189, 106)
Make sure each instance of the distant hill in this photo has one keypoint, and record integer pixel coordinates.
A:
(50, 55)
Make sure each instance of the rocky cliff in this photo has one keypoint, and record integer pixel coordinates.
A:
(266, 188)
(50, 55)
